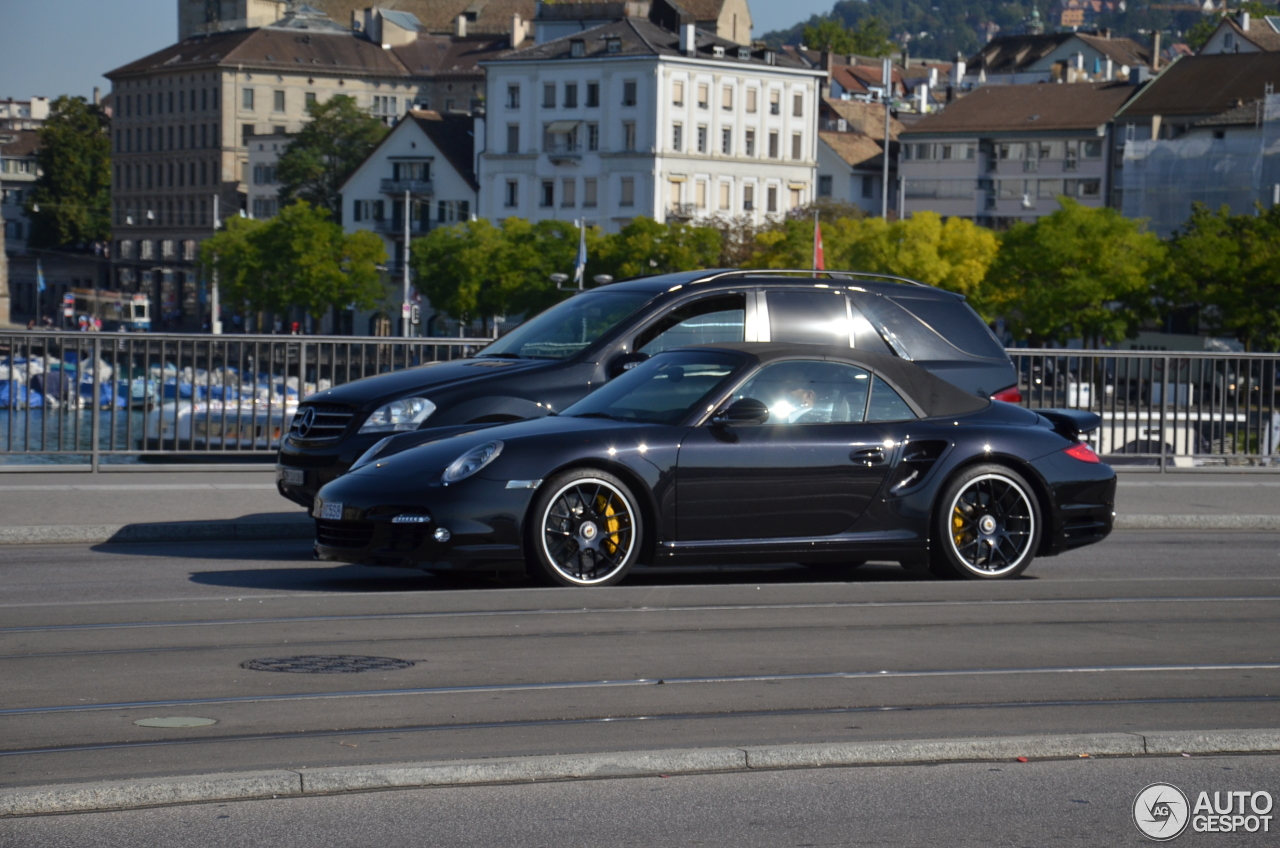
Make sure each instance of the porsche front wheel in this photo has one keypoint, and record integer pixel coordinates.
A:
(988, 525)
(587, 529)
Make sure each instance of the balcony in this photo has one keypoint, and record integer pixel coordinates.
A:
(421, 188)
(682, 211)
(395, 227)
(564, 153)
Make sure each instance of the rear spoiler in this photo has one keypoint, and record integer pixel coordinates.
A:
(1070, 423)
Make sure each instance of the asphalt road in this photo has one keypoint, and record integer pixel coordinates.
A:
(1147, 631)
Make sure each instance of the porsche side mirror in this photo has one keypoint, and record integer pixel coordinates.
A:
(742, 411)
(625, 362)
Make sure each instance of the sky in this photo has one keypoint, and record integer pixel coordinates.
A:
(55, 47)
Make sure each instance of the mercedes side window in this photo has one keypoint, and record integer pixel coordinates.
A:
(956, 322)
(865, 335)
(887, 405)
(910, 337)
(802, 391)
(808, 316)
(711, 320)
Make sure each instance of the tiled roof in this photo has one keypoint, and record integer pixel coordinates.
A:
(856, 149)
(1248, 113)
(702, 10)
(1260, 34)
(1006, 54)
(862, 117)
(639, 37)
(273, 49)
(492, 16)
(1121, 51)
(25, 143)
(443, 55)
(454, 135)
(1207, 85)
(1029, 108)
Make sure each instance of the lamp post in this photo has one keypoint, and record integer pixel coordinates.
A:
(215, 307)
(404, 304)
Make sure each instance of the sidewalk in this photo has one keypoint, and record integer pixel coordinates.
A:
(48, 508)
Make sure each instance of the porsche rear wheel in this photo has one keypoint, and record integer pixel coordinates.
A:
(587, 529)
(988, 527)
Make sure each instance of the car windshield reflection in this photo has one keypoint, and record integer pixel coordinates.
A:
(664, 390)
(569, 327)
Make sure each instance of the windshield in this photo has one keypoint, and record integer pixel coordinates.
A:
(664, 390)
(568, 327)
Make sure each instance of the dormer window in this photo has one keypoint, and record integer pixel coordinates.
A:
(613, 45)
(577, 48)
(717, 51)
(744, 54)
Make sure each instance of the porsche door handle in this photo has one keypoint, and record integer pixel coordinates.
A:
(868, 456)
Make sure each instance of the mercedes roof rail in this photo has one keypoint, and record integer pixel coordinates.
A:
(809, 272)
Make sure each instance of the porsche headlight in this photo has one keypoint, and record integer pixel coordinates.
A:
(398, 416)
(369, 455)
(472, 461)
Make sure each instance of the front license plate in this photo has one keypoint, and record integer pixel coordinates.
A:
(292, 476)
(331, 511)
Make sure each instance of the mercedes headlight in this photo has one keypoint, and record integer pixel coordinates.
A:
(398, 416)
(368, 456)
(472, 461)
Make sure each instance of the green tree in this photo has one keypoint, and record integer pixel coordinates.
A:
(339, 136)
(1077, 273)
(1227, 268)
(869, 38)
(645, 247)
(73, 190)
(298, 259)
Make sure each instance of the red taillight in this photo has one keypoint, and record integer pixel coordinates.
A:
(1009, 395)
(1082, 452)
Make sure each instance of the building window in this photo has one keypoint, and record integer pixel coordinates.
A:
(577, 48)
(771, 199)
(704, 95)
(264, 207)
(628, 135)
(277, 101)
(773, 145)
(549, 95)
(726, 192)
(796, 198)
(868, 186)
(750, 143)
(569, 192)
(677, 93)
(677, 137)
(593, 95)
(628, 194)
(775, 103)
(797, 106)
(726, 141)
(726, 98)
(751, 100)
(700, 194)
(416, 171)
(452, 211)
(1090, 188)
(797, 146)
(311, 100)
(593, 136)
(513, 97)
(513, 138)
(512, 194)
(702, 138)
(629, 93)
(589, 192)
(247, 99)
(748, 198)
(548, 193)
(571, 95)
(1092, 149)
(824, 186)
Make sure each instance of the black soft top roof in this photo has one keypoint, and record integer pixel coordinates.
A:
(931, 395)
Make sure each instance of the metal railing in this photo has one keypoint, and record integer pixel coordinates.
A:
(95, 396)
(1164, 409)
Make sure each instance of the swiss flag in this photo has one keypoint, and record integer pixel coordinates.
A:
(818, 261)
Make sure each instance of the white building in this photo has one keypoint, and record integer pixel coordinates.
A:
(1241, 34)
(430, 157)
(262, 198)
(631, 118)
(24, 114)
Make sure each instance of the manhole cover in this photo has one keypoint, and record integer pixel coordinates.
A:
(334, 664)
(175, 721)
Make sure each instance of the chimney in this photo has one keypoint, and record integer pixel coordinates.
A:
(957, 71)
(97, 96)
(1155, 50)
(1110, 70)
(460, 26)
(517, 30)
(933, 77)
(828, 61)
(357, 24)
(1244, 21)
(688, 39)
(922, 93)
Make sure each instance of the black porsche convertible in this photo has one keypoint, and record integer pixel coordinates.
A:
(733, 453)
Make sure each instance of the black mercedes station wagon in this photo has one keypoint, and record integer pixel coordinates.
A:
(560, 355)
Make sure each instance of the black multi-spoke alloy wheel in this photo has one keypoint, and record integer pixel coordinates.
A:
(586, 529)
(988, 525)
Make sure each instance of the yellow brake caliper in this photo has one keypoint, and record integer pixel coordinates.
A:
(612, 524)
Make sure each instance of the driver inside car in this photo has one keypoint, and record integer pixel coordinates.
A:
(792, 394)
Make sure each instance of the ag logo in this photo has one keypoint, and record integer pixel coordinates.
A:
(1161, 812)
(305, 421)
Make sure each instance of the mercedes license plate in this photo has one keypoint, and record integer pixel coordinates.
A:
(331, 511)
(292, 476)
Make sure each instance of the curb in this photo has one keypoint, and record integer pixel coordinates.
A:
(151, 792)
(1197, 522)
(178, 531)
